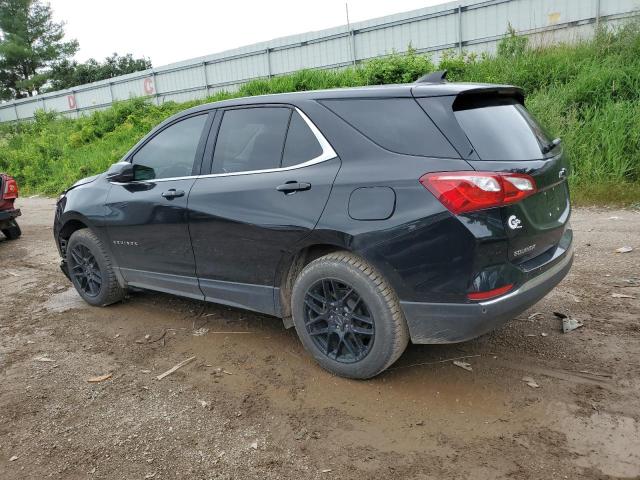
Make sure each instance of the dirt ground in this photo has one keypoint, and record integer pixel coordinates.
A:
(254, 405)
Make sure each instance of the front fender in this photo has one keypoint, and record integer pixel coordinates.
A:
(83, 207)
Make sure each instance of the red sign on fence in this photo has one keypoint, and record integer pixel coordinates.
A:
(148, 86)
(71, 100)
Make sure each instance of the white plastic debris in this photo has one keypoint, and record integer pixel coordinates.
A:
(621, 295)
(43, 359)
(569, 324)
(531, 382)
(465, 365)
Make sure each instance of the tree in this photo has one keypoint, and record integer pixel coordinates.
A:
(30, 43)
(69, 73)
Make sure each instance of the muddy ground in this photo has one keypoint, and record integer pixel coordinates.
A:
(253, 405)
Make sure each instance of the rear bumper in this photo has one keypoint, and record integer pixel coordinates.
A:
(457, 322)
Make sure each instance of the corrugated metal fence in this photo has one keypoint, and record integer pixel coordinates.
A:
(472, 25)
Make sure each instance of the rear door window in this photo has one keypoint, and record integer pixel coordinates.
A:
(301, 144)
(501, 130)
(395, 124)
(251, 139)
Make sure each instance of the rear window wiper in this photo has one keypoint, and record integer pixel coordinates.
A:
(551, 145)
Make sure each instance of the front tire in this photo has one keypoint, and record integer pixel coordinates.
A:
(347, 316)
(91, 270)
(12, 232)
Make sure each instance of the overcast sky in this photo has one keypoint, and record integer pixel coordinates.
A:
(171, 31)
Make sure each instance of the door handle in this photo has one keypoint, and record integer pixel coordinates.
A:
(173, 193)
(293, 186)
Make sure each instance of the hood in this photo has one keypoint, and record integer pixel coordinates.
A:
(83, 181)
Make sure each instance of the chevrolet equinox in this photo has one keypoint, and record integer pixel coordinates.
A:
(363, 217)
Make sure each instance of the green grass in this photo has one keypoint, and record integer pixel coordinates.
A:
(586, 93)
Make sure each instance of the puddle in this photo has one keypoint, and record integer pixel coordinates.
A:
(611, 443)
(64, 301)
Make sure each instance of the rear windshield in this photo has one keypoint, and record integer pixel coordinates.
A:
(396, 124)
(501, 129)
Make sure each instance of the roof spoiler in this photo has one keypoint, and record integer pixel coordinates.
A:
(434, 77)
(490, 91)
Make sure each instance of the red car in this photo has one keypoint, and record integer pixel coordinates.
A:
(8, 214)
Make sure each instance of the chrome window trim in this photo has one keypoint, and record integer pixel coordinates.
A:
(328, 153)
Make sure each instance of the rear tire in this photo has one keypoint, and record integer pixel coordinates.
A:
(91, 270)
(347, 316)
(12, 232)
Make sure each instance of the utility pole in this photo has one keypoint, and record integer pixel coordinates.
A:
(460, 29)
(352, 45)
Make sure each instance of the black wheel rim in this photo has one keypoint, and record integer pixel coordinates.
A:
(338, 320)
(85, 270)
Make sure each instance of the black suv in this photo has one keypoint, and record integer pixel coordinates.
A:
(364, 217)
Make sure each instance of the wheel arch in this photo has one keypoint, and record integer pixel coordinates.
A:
(70, 222)
(291, 267)
(74, 221)
(71, 226)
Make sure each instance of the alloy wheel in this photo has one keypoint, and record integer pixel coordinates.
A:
(85, 270)
(338, 320)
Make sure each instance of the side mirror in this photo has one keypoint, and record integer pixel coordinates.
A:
(121, 172)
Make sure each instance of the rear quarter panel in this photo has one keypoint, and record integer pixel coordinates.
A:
(422, 249)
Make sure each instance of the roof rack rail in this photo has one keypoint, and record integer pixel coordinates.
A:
(434, 77)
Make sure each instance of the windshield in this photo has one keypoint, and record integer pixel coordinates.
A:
(502, 130)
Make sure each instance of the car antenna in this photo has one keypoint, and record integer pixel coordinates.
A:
(434, 77)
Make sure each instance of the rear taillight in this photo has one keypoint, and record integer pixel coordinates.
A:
(468, 191)
(10, 189)
(486, 295)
